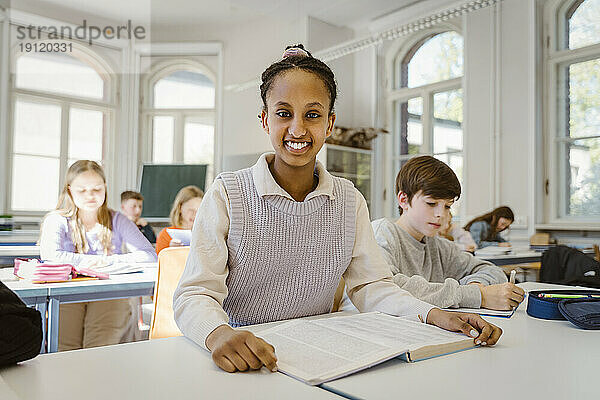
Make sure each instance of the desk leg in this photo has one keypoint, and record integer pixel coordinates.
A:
(42, 308)
(53, 312)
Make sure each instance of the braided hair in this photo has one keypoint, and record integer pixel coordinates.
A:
(297, 57)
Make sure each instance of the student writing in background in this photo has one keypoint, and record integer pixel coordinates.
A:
(485, 229)
(132, 204)
(185, 207)
(428, 266)
(84, 231)
(271, 242)
(461, 238)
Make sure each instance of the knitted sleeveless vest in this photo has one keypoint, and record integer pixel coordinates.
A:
(286, 258)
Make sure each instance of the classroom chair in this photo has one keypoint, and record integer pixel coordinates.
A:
(171, 262)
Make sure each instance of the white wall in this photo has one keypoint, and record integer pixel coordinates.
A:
(500, 171)
(322, 35)
(479, 111)
(365, 91)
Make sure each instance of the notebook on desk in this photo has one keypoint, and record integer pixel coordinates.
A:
(318, 351)
(485, 312)
(183, 235)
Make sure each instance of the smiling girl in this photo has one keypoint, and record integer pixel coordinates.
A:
(271, 242)
(84, 231)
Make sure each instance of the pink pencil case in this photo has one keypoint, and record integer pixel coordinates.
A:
(37, 271)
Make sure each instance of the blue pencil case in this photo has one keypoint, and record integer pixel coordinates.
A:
(583, 312)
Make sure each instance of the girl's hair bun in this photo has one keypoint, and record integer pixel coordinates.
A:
(295, 50)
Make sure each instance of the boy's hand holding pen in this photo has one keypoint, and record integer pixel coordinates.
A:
(502, 296)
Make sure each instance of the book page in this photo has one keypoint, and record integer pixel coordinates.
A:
(391, 331)
(315, 354)
(325, 349)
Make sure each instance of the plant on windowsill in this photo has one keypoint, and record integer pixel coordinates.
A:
(6, 223)
(354, 137)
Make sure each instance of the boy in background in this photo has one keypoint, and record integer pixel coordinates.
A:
(132, 204)
(432, 268)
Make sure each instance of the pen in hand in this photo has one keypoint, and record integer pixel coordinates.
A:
(513, 273)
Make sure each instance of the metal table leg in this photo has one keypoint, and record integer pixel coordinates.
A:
(42, 307)
(53, 315)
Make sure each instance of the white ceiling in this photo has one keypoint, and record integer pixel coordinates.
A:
(176, 13)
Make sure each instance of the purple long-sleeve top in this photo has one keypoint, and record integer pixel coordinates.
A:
(129, 244)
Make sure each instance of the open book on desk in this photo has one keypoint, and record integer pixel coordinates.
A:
(317, 351)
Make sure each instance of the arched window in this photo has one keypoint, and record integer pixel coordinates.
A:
(574, 110)
(427, 101)
(61, 111)
(180, 114)
(581, 19)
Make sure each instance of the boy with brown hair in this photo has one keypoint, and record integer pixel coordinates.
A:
(132, 204)
(432, 268)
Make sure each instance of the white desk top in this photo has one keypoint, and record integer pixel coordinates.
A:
(534, 358)
(19, 251)
(21, 287)
(122, 282)
(173, 368)
(6, 392)
(148, 276)
(19, 236)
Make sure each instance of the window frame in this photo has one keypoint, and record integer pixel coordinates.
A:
(4, 102)
(155, 73)
(556, 58)
(396, 94)
(108, 105)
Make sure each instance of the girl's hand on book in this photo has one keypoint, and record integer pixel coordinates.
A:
(471, 325)
(234, 350)
(503, 296)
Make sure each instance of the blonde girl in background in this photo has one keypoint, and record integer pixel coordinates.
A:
(84, 231)
(185, 207)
